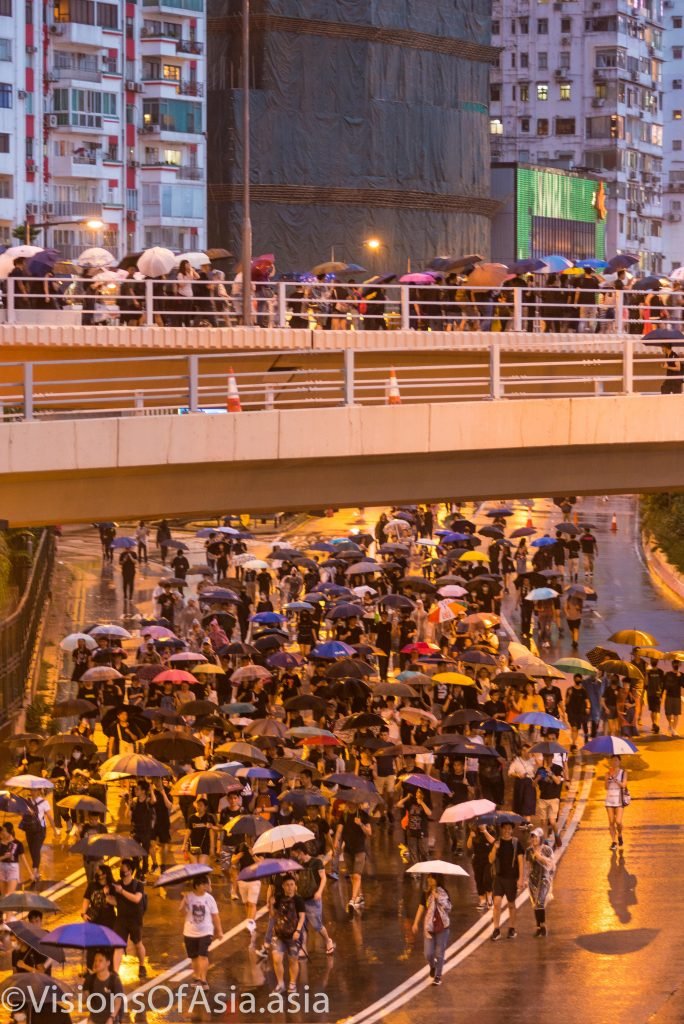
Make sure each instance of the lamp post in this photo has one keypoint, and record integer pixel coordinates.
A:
(246, 215)
(92, 225)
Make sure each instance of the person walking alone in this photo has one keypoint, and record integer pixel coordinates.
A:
(128, 564)
(540, 865)
(617, 796)
(506, 858)
(435, 907)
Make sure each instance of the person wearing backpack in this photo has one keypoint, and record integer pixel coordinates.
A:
(435, 907)
(289, 914)
(506, 858)
(310, 885)
(131, 904)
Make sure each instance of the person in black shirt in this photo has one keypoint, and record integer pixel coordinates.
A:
(673, 682)
(180, 565)
(549, 780)
(352, 832)
(573, 548)
(143, 822)
(589, 548)
(201, 825)
(167, 602)
(655, 682)
(382, 632)
(128, 564)
(130, 909)
(506, 858)
(577, 710)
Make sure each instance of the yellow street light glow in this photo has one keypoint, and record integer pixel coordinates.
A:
(373, 243)
(94, 225)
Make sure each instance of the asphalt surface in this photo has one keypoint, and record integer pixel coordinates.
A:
(613, 922)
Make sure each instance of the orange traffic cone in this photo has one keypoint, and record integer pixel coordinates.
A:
(613, 524)
(576, 518)
(393, 395)
(233, 404)
(530, 524)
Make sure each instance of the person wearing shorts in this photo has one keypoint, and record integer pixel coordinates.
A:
(549, 781)
(506, 858)
(248, 891)
(202, 924)
(673, 696)
(655, 683)
(130, 908)
(10, 852)
(288, 913)
(352, 833)
(313, 874)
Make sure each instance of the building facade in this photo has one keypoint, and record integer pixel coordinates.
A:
(673, 118)
(580, 86)
(102, 123)
(369, 121)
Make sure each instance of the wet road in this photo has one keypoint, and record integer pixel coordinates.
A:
(605, 928)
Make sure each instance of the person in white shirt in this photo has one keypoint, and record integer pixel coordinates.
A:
(202, 924)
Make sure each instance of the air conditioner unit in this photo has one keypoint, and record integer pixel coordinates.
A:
(559, 73)
(52, 76)
(565, 40)
(32, 209)
(674, 218)
(134, 163)
(558, 7)
(138, 87)
(132, 214)
(634, 75)
(32, 49)
(130, 85)
(669, 4)
(641, 241)
(31, 166)
(597, 102)
(57, 30)
(51, 121)
(22, 94)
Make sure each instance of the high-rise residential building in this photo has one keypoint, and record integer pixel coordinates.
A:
(102, 123)
(580, 86)
(369, 122)
(673, 120)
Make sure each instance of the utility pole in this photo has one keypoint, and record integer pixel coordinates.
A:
(246, 198)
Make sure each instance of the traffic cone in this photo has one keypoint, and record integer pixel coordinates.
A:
(613, 524)
(233, 404)
(393, 395)
(576, 518)
(530, 524)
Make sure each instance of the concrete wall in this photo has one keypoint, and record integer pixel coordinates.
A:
(84, 470)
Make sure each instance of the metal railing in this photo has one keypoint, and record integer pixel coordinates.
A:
(322, 305)
(19, 631)
(198, 383)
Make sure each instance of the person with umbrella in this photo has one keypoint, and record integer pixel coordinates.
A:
(103, 981)
(540, 868)
(417, 820)
(99, 906)
(435, 908)
(33, 824)
(128, 565)
(202, 923)
(616, 787)
(506, 857)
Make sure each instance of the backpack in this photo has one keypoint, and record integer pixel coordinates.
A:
(286, 919)
(307, 882)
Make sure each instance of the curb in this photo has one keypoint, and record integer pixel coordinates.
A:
(663, 574)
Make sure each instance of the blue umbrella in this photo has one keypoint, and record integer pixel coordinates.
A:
(669, 335)
(43, 262)
(609, 745)
(345, 611)
(494, 725)
(591, 264)
(502, 511)
(299, 606)
(500, 818)
(539, 718)
(239, 708)
(557, 264)
(332, 649)
(207, 531)
(267, 868)
(332, 588)
(542, 542)
(426, 782)
(125, 542)
(267, 618)
(527, 266)
(322, 545)
(10, 804)
(258, 773)
(84, 935)
(220, 594)
(542, 594)
(283, 659)
(621, 262)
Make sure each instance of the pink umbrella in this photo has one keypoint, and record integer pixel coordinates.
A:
(417, 279)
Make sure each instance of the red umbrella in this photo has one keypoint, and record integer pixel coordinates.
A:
(175, 675)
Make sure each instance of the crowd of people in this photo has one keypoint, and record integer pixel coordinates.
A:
(344, 688)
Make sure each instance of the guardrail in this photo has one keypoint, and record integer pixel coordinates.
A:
(215, 303)
(19, 631)
(179, 384)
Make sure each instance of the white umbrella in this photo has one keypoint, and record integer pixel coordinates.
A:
(70, 643)
(28, 782)
(156, 262)
(281, 837)
(678, 274)
(467, 810)
(197, 260)
(362, 591)
(111, 629)
(435, 867)
(15, 252)
(417, 715)
(452, 590)
(96, 257)
(254, 563)
(108, 276)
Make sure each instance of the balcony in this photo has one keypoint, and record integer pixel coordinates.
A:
(76, 119)
(181, 172)
(75, 73)
(191, 46)
(170, 128)
(82, 166)
(196, 6)
(90, 37)
(182, 88)
(74, 208)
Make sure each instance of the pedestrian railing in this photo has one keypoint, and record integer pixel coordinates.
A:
(19, 631)
(540, 308)
(199, 383)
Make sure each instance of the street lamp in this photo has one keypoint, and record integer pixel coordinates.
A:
(92, 225)
(373, 244)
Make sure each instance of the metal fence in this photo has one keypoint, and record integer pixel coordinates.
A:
(213, 302)
(19, 631)
(295, 379)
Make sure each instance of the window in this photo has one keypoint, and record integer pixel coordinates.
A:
(171, 72)
(524, 125)
(677, 52)
(4, 142)
(108, 16)
(5, 49)
(496, 28)
(676, 115)
(513, 27)
(524, 60)
(655, 228)
(677, 145)
(542, 126)
(6, 187)
(81, 12)
(495, 93)
(524, 93)
(677, 205)
(495, 126)
(564, 61)
(565, 90)
(513, 60)
(543, 61)
(28, 12)
(676, 83)
(542, 90)
(565, 126)
(6, 9)
(542, 26)
(524, 26)
(677, 22)
(5, 96)
(566, 25)
(109, 104)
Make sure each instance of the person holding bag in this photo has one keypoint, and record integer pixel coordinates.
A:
(435, 907)
(617, 798)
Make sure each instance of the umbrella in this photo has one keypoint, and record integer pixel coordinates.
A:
(139, 765)
(396, 601)
(281, 837)
(464, 716)
(95, 258)
(174, 675)
(426, 782)
(548, 747)
(33, 938)
(647, 284)
(43, 262)
(268, 618)
(304, 798)
(436, 867)
(665, 335)
(87, 804)
(592, 264)
(181, 873)
(350, 781)
(542, 594)
(246, 825)
(576, 666)
(109, 845)
(173, 747)
(257, 773)
(542, 671)
(420, 278)
(609, 745)
(397, 689)
(557, 264)
(523, 531)
(445, 611)
(331, 267)
(527, 266)
(137, 724)
(543, 542)
(110, 629)
(198, 707)
(581, 590)
(70, 643)
(541, 719)
(501, 818)
(474, 657)
(467, 810)
(200, 783)
(18, 991)
(345, 611)
(267, 868)
(494, 725)
(197, 260)
(362, 720)
(239, 708)
(242, 752)
(250, 672)
(186, 656)
(453, 679)
(28, 782)
(417, 715)
(633, 637)
(597, 655)
(331, 650)
(488, 275)
(156, 262)
(622, 668)
(622, 261)
(472, 556)
(125, 542)
(25, 901)
(283, 659)
(22, 739)
(569, 528)
(266, 727)
(495, 532)
(100, 674)
(291, 765)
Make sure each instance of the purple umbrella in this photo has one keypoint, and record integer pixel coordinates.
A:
(417, 279)
(83, 935)
(267, 868)
(426, 782)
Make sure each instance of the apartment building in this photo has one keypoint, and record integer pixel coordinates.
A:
(673, 127)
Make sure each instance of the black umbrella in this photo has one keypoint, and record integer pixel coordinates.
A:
(247, 825)
(463, 717)
(225, 621)
(198, 707)
(170, 746)
(570, 528)
(362, 720)
(350, 668)
(269, 643)
(306, 702)
(137, 723)
(304, 798)
(25, 901)
(65, 708)
(664, 335)
(291, 765)
(109, 845)
(63, 744)
(165, 715)
(350, 781)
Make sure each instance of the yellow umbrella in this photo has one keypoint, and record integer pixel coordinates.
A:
(207, 669)
(453, 679)
(674, 656)
(473, 556)
(652, 652)
(633, 637)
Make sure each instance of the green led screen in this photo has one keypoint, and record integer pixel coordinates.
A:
(555, 213)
